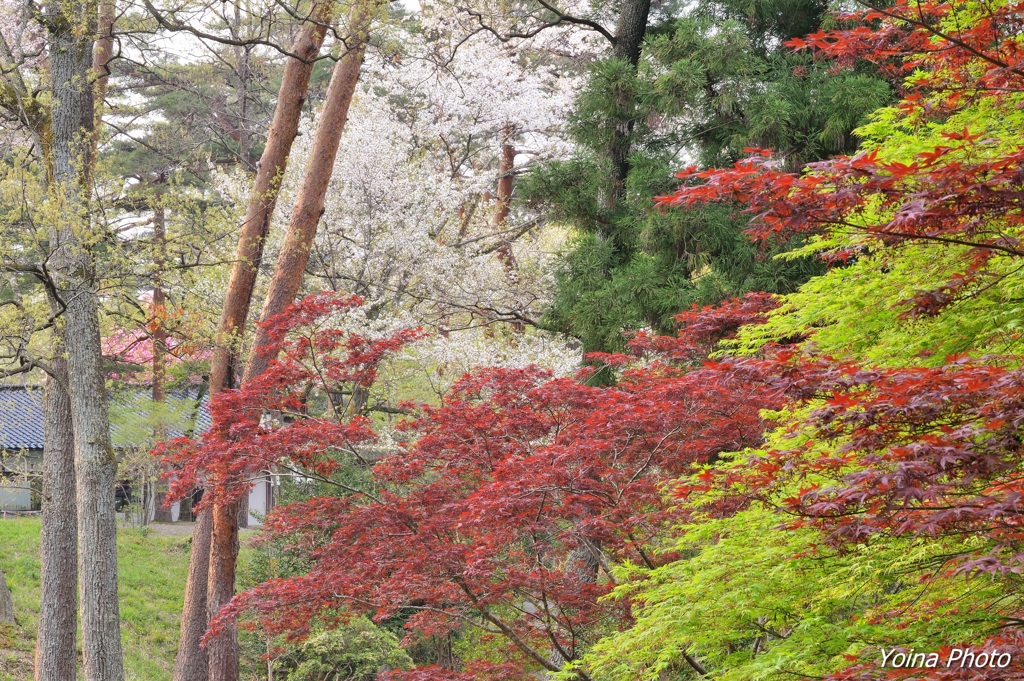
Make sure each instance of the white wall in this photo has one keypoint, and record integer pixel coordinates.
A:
(260, 500)
(15, 495)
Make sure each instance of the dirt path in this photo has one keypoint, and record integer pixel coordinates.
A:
(179, 529)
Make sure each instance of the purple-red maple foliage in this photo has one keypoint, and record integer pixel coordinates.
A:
(508, 504)
(892, 451)
(909, 450)
(886, 451)
(255, 428)
(966, 191)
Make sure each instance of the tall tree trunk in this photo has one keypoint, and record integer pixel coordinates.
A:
(191, 663)
(102, 54)
(159, 311)
(506, 177)
(70, 29)
(630, 29)
(158, 331)
(55, 641)
(506, 183)
(265, 190)
(58, 589)
(222, 650)
(95, 472)
(6, 602)
(309, 205)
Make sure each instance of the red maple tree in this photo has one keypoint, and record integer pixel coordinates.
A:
(966, 191)
(931, 447)
(901, 451)
(295, 409)
(510, 500)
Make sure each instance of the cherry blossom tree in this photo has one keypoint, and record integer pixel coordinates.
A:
(409, 222)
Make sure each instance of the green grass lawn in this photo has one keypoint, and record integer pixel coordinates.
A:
(151, 573)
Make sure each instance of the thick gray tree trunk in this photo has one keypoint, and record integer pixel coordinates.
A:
(58, 541)
(630, 29)
(55, 641)
(95, 470)
(71, 28)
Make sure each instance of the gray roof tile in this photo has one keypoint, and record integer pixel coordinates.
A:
(21, 416)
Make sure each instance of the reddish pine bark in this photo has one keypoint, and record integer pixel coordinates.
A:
(309, 206)
(222, 648)
(191, 663)
(506, 170)
(265, 190)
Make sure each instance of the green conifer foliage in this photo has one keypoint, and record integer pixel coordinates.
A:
(711, 82)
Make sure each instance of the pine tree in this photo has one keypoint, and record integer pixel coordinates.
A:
(709, 83)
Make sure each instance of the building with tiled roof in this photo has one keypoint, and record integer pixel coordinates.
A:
(21, 418)
(133, 415)
(21, 442)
